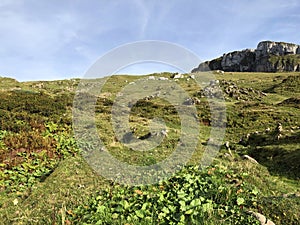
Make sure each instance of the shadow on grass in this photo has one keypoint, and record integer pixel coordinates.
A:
(279, 160)
(270, 139)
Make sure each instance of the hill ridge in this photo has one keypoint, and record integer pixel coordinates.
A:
(269, 56)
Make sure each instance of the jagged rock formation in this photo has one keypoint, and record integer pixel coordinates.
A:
(269, 56)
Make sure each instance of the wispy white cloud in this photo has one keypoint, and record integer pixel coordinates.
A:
(63, 38)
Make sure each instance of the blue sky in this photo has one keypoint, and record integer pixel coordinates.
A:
(59, 39)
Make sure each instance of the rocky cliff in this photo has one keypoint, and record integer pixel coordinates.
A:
(269, 56)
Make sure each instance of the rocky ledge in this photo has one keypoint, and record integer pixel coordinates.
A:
(269, 56)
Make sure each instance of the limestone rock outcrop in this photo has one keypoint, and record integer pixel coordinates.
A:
(269, 56)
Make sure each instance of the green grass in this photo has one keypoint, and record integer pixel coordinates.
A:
(44, 180)
(48, 201)
(282, 61)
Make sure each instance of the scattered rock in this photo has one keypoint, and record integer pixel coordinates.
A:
(279, 128)
(196, 100)
(38, 85)
(178, 76)
(220, 72)
(173, 75)
(278, 131)
(278, 136)
(188, 101)
(227, 155)
(247, 157)
(15, 89)
(164, 132)
(291, 195)
(214, 82)
(227, 145)
(262, 219)
(228, 89)
(192, 76)
(128, 137)
(192, 101)
(163, 78)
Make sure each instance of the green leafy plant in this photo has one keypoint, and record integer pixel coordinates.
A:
(192, 196)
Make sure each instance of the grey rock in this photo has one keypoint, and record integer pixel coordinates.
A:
(238, 60)
(279, 128)
(269, 56)
(247, 157)
(276, 48)
(163, 78)
(188, 101)
(178, 76)
(196, 100)
(227, 145)
(220, 72)
(261, 218)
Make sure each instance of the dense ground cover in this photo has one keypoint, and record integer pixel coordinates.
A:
(44, 180)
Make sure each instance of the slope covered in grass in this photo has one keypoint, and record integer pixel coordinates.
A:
(44, 179)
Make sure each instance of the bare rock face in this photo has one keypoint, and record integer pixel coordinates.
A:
(269, 56)
(265, 48)
(238, 60)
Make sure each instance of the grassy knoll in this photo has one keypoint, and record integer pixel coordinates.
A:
(45, 180)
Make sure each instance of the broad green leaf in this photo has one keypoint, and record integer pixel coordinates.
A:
(140, 213)
(240, 201)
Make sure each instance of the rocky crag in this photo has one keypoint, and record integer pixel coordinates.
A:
(269, 56)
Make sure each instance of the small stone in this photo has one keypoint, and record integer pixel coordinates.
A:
(178, 76)
(279, 128)
(227, 155)
(227, 144)
(15, 201)
(247, 157)
(163, 78)
(164, 132)
(262, 219)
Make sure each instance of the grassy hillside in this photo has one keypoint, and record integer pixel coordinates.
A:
(45, 180)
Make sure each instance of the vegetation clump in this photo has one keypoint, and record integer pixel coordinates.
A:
(192, 196)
